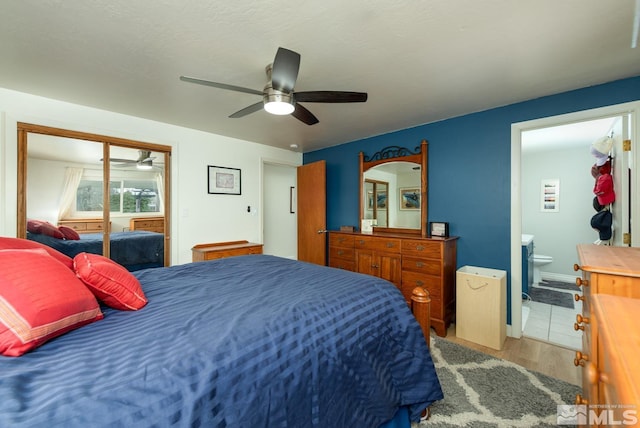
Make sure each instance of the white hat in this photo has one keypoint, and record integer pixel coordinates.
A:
(601, 160)
(602, 145)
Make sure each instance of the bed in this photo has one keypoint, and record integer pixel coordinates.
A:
(247, 341)
(134, 250)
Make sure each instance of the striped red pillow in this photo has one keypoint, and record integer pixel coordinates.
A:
(110, 282)
(39, 299)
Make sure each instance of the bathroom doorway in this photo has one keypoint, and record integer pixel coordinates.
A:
(564, 167)
(557, 194)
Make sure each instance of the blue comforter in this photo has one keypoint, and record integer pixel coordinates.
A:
(249, 341)
(137, 249)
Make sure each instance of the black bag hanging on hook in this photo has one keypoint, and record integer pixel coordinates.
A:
(602, 223)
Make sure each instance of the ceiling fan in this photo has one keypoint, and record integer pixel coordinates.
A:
(144, 161)
(278, 96)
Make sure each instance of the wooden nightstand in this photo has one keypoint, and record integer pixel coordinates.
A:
(219, 250)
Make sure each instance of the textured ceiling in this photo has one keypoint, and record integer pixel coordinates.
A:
(419, 61)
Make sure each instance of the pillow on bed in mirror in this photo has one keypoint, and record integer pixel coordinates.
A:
(68, 233)
(34, 226)
(110, 282)
(39, 299)
(7, 243)
(50, 230)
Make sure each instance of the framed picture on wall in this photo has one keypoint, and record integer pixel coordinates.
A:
(409, 198)
(223, 180)
(550, 195)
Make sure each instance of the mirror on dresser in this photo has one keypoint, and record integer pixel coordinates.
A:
(393, 189)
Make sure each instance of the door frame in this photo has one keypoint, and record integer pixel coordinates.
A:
(633, 110)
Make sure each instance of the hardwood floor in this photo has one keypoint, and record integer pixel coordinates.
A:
(532, 354)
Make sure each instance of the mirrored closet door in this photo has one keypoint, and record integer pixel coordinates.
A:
(98, 194)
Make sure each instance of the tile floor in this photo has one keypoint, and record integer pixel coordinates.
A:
(553, 324)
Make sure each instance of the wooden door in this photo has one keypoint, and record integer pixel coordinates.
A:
(312, 213)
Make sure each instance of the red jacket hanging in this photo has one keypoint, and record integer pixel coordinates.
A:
(604, 189)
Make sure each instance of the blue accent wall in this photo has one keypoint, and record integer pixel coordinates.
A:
(469, 170)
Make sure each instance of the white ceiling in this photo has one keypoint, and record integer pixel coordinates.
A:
(568, 136)
(419, 61)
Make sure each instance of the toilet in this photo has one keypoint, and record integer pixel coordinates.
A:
(538, 261)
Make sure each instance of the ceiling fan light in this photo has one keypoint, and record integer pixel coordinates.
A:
(278, 103)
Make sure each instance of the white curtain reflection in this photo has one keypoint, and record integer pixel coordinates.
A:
(72, 178)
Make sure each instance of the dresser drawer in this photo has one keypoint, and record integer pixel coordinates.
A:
(342, 264)
(433, 284)
(428, 266)
(342, 253)
(77, 226)
(387, 245)
(420, 248)
(150, 224)
(340, 240)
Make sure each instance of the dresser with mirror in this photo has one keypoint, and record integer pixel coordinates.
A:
(393, 241)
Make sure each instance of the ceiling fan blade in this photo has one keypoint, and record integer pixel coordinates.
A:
(121, 160)
(330, 97)
(221, 85)
(248, 110)
(285, 70)
(304, 115)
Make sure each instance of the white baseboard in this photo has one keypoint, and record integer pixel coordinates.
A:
(558, 277)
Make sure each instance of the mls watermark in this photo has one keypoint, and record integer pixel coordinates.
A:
(597, 414)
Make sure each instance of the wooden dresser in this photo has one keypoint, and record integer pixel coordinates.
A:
(220, 250)
(613, 369)
(83, 225)
(151, 224)
(407, 261)
(606, 271)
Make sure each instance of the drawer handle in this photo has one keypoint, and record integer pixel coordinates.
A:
(576, 267)
(390, 245)
(341, 240)
(578, 297)
(580, 281)
(592, 374)
(577, 327)
(419, 264)
(419, 283)
(419, 248)
(580, 359)
(582, 319)
(340, 252)
(375, 266)
(581, 400)
(361, 242)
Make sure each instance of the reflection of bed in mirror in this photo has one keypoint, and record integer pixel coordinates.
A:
(134, 250)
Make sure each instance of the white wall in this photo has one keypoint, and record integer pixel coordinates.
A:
(197, 217)
(558, 233)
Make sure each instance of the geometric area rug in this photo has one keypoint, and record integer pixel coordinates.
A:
(484, 391)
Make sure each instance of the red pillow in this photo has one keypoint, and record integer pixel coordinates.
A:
(7, 243)
(110, 282)
(68, 233)
(50, 230)
(34, 226)
(39, 299)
